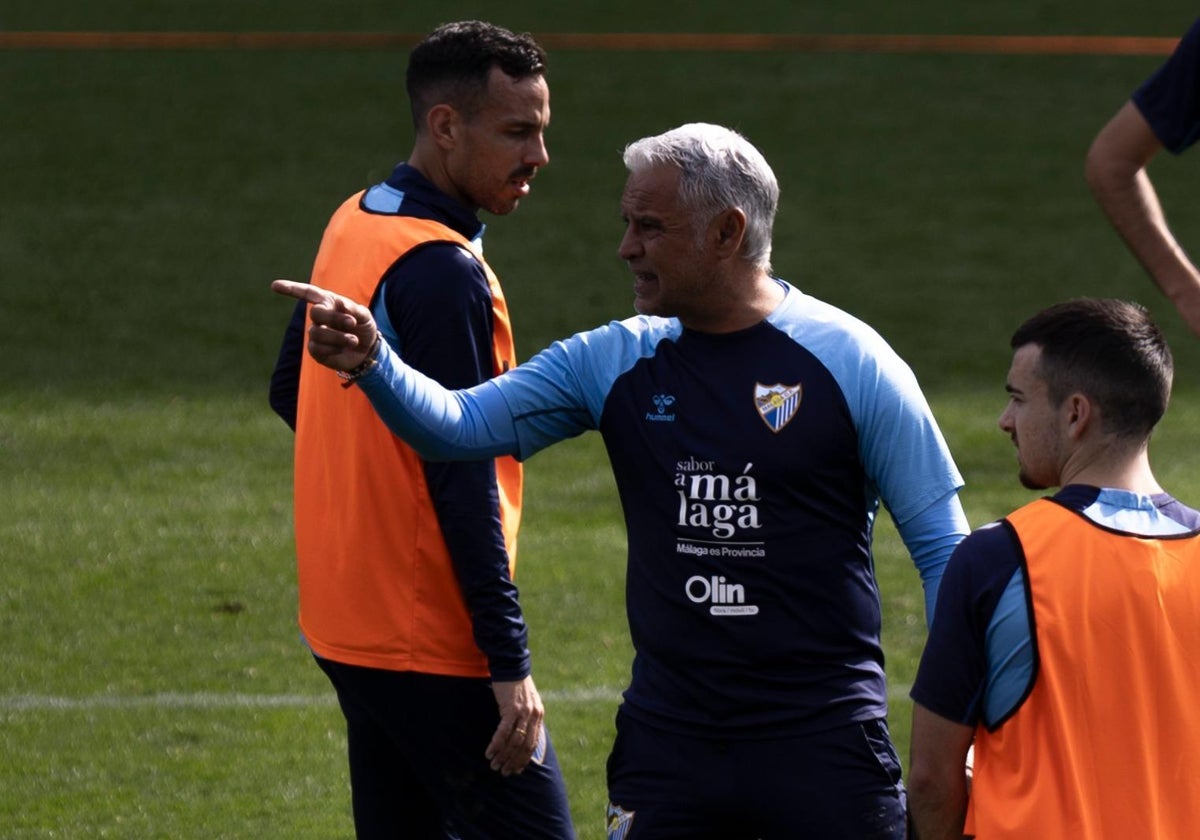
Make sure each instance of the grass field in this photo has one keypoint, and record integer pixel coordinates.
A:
(154, 685)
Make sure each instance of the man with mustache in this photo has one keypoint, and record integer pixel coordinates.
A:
(405, 567)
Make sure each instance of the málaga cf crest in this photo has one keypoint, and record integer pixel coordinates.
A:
(776, 403)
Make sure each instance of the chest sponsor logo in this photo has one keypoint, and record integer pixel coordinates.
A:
(723, 597)
(777, 404)
(712, 501)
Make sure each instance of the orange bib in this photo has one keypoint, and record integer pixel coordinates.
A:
(1105, 744)
(377, 588)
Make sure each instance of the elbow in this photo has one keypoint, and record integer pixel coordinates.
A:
(922, 785)
(1111, 169)
(1100, 170)
(935, 800)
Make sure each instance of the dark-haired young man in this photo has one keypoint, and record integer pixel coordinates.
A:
(405, 567)
(1063, 643)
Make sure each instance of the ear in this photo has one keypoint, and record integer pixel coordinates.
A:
(1080, 415)
(442, 123)
(730, 230)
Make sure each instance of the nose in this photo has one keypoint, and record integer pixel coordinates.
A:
(1004, 421)
(537, 154)
(630, 246)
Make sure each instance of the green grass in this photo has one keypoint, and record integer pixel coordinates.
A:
(154, 683)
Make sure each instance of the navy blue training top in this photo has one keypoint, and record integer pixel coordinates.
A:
(750, 468)
(1170, 98)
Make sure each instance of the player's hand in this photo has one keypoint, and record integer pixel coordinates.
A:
(341, 332)
(519, 736)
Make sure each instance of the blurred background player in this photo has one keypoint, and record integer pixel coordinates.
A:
(1164, 112)
(405, 567)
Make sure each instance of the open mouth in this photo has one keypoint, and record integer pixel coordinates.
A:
(521, 180)
(642, 279)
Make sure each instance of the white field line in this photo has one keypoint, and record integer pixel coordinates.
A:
(235, 700)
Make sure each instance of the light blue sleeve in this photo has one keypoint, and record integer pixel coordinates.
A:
(557, 394)
(908, 461)
(931, 537)
(561, 392)
(440, 424)
(903, 452)
(900, 445)
(1010, 654)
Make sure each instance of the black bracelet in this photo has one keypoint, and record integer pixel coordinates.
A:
(349, 377)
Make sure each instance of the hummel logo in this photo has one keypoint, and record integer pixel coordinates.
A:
(661, 402)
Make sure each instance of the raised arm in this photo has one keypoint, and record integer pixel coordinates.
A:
(1116, 172)
(440, 424)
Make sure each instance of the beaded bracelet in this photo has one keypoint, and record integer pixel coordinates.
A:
(349, 377)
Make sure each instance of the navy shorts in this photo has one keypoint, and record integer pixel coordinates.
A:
(843, 783)
(417, 768)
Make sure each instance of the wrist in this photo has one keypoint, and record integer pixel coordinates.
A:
(349, 377)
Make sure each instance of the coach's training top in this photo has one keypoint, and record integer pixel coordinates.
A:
(1170, 98)
(1066, 633)
(750, 467)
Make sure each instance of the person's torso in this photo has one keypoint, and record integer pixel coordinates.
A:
(749, 530)
(376, 584)
(1094, 750)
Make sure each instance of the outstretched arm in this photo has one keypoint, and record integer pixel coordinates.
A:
(1116, 172)
(441, 425)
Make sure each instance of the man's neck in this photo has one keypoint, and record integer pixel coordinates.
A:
(1111, 469)
(750, 300)
(429, 164)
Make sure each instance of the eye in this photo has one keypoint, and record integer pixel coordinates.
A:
(519, 131)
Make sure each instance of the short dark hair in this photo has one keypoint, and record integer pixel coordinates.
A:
(1111, 351)
(451, 64)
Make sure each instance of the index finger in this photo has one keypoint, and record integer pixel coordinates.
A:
(300, 291)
